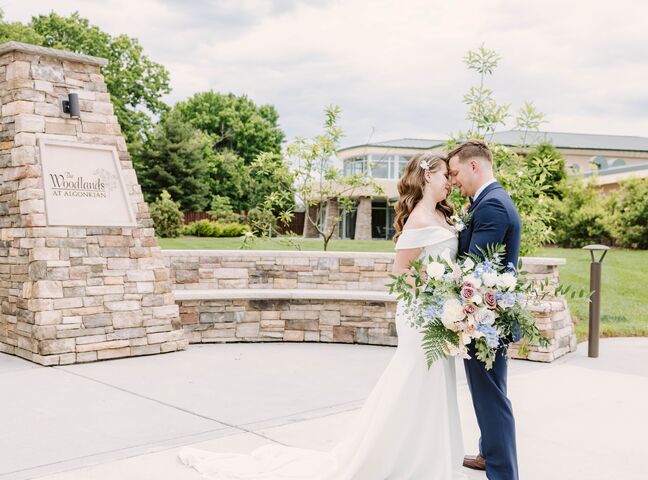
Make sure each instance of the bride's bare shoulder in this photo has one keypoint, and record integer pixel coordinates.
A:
(417, 223)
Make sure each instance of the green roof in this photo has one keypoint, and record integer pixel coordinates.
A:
(417, 143)
(582, 141)
(614, 170)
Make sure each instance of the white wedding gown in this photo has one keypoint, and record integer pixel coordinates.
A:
(408, 428)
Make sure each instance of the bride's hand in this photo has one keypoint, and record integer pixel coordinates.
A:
(403, 262)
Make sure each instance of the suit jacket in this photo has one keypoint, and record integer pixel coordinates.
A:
(494, 220)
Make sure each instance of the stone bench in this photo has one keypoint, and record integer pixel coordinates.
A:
(265, 296)
(292, 315)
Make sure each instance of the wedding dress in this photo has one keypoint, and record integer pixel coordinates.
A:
(408, 428)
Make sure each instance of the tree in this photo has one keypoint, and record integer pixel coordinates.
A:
(18, 32)
(247, 166)
(274, 199)
(484, 113)
(167, 217)
(136, 83)
(528, 120)
(271, 176)
(581, 217)
(228, 176)
(532, 202)
(235, 123)
(317, 180)
(547, 168)
(630, 209)
(221, 210)
(526, 182)
(177, 157)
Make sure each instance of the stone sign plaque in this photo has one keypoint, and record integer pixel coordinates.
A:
(84, 186)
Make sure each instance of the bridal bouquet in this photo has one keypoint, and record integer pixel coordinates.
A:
(475, 298)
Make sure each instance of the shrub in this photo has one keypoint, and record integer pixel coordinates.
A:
(168, 220)
(533, 205)
(581, 218)
(547, 168)
(262, 221)
(221, 210)
(630, 210)
(207, 228)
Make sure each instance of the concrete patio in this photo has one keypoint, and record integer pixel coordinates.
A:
(577, 418)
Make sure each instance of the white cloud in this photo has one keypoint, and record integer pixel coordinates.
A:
(394, 66)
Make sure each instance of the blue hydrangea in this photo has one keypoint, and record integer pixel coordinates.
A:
(485, 267)
(490, 334)
(434, 309)
(506, 299)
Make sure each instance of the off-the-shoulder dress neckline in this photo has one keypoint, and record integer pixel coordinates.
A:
(424, 228)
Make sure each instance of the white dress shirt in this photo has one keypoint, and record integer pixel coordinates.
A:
(481, 189)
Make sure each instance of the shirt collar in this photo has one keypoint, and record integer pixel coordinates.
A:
(482, 188)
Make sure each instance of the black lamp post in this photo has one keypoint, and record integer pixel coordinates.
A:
(595, 302)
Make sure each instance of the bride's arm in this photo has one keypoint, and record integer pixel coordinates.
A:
(403, 260)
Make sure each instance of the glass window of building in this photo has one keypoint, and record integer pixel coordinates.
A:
(401, 161)
(348, 221)
(382, 220)
(380, 164)
(355, 165)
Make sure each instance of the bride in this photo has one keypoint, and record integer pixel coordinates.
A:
(408, 428)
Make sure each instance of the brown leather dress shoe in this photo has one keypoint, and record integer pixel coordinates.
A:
(476, 462)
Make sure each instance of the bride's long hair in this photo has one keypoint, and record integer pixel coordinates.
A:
(410, 189)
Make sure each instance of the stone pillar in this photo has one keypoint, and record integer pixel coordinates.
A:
(309, 229)
(332, 217)
(551, 314)
(76, 293)
(363, 219)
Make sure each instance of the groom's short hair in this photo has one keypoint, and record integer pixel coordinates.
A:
(470, 149)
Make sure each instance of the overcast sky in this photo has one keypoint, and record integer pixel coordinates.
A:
(394, 67)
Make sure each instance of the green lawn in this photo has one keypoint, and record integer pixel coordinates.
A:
(192, 243)
(625, 272)
(623, 295)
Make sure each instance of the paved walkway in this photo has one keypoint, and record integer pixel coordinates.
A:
(577, 418)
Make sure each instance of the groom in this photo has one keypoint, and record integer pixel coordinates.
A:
(494, 220)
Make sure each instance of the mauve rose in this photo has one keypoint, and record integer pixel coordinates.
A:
(469, 309)
(468, 284)
(490, 299)
(467, 292)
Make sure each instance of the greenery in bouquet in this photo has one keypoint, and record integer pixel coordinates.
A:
(474, 299)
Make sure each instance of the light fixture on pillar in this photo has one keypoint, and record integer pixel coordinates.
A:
(71, 105)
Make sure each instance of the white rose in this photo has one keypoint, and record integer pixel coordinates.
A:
(435, 270)
(476, 282)
(489, 279)
(486, 316)
(452, 312)
(476, 299)
(507, 281)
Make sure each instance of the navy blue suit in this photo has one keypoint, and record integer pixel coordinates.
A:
(494, 220)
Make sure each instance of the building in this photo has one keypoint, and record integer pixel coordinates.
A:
(612, 158)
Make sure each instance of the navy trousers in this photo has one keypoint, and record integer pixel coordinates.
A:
(494, 415)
